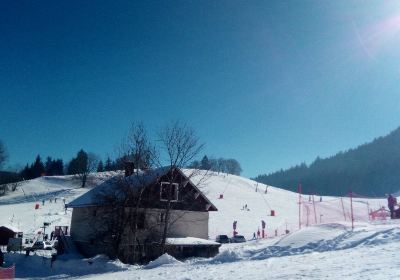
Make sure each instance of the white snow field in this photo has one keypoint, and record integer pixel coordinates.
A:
(330, 249)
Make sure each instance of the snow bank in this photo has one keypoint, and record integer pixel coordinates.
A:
(162, 261)
(39, 265)
(228, 256)
(312, 235)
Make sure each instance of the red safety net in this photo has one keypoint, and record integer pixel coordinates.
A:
(315, 210)
(7, 273)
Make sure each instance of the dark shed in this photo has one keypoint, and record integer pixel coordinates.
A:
(7, 232)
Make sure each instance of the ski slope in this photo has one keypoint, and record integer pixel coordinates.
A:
(328, 250)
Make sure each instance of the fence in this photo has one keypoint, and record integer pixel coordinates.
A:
(7, 273)
(317, 210)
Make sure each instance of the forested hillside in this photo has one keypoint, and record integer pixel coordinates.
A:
(372, 169)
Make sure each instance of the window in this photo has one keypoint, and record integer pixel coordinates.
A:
(168, 191)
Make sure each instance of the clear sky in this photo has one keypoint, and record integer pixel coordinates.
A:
(270, 83)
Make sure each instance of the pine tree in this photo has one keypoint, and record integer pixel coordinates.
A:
(58, 167)
(26, 173)
(38, 167)
(109, 165)
(49, 166)
(205, 163)
(100, 166)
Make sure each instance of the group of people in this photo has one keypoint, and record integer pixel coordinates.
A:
(258, 235)
(392, 202)
(245, 208)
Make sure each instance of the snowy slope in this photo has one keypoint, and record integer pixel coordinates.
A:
(238, 191)
(318, 252)
(19, 206)
(273, 258)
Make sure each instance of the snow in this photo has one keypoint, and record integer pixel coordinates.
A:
(189, 241)
(163, 260)
(328, 250)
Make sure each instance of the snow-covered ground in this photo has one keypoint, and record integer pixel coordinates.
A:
(323, 251)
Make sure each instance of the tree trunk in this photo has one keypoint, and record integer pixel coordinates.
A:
(165, 231)
(84, 180)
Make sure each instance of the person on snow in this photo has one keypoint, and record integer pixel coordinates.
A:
(258, 233)
(392, 201)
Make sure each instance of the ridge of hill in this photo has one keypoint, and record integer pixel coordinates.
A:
(371, 169)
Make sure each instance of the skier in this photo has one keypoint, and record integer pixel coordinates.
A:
(254, 236)
(258, 233)
(392, 201)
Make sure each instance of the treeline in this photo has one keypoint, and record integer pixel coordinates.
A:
(231, 166)
(84, 163)
(110, 165)
(371, 169)
(50, 168)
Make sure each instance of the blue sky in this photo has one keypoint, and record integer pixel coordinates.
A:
(270, 83)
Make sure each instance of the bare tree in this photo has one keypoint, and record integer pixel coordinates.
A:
(141, 154)
(82, 165)
(116, 214)
(124, 202)
(179, 145)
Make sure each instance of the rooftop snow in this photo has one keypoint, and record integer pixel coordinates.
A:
(190, 241)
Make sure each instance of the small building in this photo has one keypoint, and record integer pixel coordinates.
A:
(7, 232)
(154, 194)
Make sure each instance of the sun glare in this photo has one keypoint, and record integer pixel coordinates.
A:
(380, 36)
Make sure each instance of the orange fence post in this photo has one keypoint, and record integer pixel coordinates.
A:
(299, 190)
(315, 212)
(351, 206)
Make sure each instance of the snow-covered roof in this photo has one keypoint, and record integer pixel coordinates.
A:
(110, 187)
(10, 227)
(182, 241)
(91, 198)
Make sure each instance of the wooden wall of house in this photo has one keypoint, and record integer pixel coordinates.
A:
(88, 223)
(81, 229)
(182, 223)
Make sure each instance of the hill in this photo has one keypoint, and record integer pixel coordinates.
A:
(236, 191)
(371, 169)
(319, 245)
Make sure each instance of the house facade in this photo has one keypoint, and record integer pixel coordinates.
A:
(104, 219)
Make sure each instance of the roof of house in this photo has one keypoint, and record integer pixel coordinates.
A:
(141, 178)
(12, 228)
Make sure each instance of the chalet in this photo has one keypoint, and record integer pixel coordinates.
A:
(152, 195)
(7, 232)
